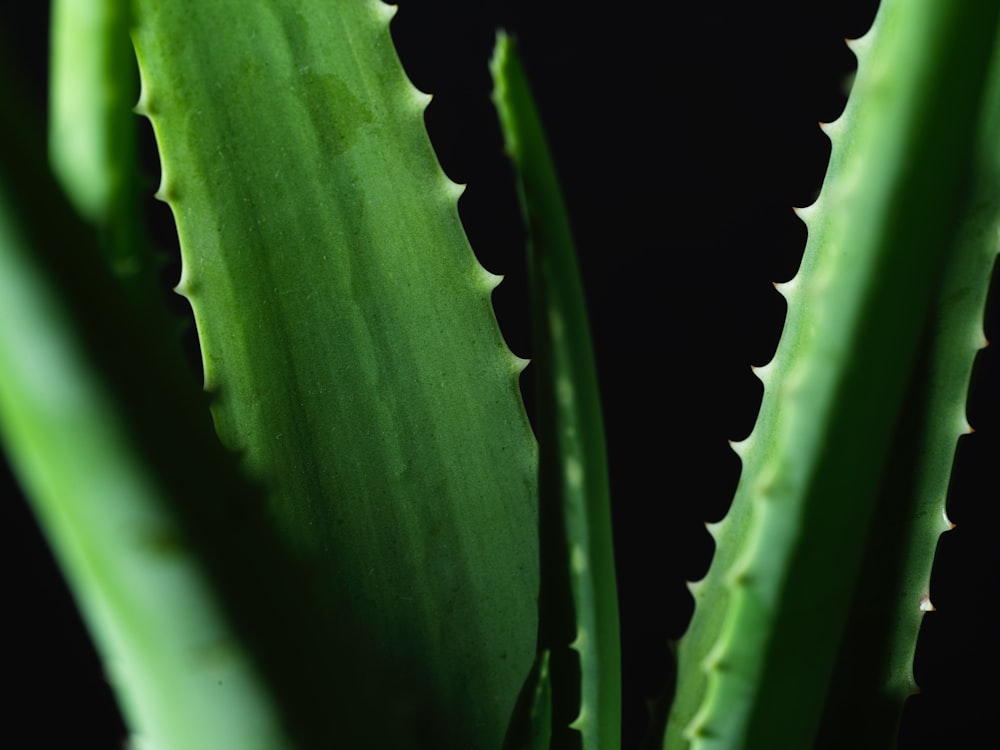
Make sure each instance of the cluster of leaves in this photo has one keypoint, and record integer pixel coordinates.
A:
(682, 140)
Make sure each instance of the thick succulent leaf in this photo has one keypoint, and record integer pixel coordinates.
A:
(755, 666)
(348, 338)
(577, 557)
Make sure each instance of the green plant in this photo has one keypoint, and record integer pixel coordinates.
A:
(303, 687)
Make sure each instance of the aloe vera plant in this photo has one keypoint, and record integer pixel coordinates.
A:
(342, 316)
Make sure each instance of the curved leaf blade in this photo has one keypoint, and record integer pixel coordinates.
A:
(349, 340)
(577, 553)
(755, 665)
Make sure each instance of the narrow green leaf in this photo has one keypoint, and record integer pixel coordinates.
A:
(92, 130)
(575, 507)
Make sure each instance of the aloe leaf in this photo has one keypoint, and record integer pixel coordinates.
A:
(205, 642)
(92, 142)
(88, 431)
(577, 557)
(348, 338)
(211, 634)
(530, 726)
(872, 683)
(183, 585)
(756, 664)
(107, 518)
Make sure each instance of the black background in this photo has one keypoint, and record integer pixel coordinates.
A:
(684, 134)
